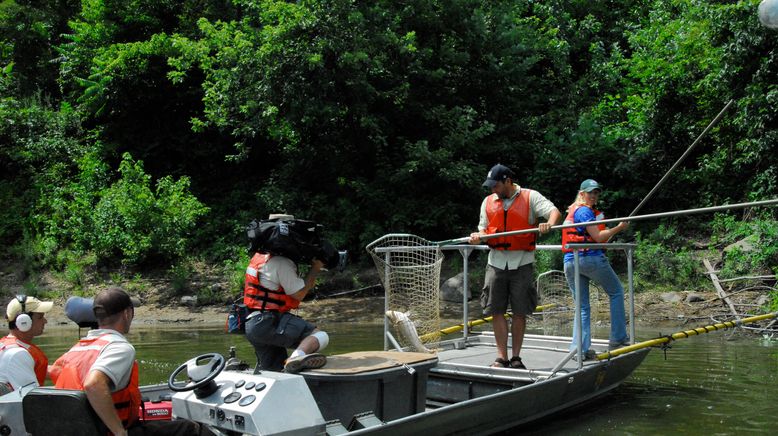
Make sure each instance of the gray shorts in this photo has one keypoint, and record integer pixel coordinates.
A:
(516, 287)
(271, 333)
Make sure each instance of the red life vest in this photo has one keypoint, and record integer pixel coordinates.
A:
(72, 368)
(515, 218)
(258, 297)
(40, 359)
(571, 235)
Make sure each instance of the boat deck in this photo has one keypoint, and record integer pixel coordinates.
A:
(541, 354)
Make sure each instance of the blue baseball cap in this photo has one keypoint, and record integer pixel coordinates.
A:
(498, 173)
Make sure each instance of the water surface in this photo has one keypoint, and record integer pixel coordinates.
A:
(714, 384)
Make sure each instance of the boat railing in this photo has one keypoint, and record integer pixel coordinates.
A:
(466, 249)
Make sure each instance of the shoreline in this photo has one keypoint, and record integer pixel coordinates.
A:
(650, 310)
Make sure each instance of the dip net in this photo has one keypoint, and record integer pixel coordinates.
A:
(409, 269)
(558, 304)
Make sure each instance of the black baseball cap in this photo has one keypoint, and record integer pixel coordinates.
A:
(112, 301)
(498, 173)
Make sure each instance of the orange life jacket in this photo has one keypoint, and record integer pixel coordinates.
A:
(73, 367)
(572, 235)
(258, 297)
(40, 359)
(515, 218)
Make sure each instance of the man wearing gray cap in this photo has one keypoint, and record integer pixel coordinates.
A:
(103, 365)
(510, 273)
(21, 362)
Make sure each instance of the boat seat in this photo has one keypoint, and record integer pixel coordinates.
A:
(66, 412)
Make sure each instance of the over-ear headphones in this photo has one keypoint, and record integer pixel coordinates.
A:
(23, 321)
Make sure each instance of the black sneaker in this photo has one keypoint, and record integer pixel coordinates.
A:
(616, 345)
(588, 355)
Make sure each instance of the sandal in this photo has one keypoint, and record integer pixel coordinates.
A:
(500, 363)
(516, 363)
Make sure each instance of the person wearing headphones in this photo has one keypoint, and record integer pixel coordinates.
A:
(21, 362)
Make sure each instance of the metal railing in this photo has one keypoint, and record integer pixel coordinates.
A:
(466, 249)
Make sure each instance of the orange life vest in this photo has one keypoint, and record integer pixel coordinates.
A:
(515, 218)
(572, 235)
(258, 297)
(73, 367)
(40, 359)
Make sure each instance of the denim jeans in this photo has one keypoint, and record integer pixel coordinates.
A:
(598, 269)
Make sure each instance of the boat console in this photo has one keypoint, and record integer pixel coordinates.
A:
(353, 391)
(267, 403)
(384, 385)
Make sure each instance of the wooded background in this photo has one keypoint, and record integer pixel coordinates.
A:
(143, 132)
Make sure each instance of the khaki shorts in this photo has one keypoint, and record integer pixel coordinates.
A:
(516, 287)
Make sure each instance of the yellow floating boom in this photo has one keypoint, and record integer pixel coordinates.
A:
(685, 334)
(473, 323)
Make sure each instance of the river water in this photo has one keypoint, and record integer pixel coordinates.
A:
(715, 384)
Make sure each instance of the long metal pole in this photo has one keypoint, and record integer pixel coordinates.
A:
(680, 159)
(617, 220)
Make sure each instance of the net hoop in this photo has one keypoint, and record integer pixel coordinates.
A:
(409, 269)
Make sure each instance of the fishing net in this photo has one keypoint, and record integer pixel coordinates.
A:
(409, 269)
(558, 304)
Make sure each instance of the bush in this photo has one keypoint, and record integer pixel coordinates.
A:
(761, 232)
(126, 220)
(661, 260)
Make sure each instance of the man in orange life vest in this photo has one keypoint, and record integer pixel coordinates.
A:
(510, 273)
(21, 362)
(272, 288)
(103, 365)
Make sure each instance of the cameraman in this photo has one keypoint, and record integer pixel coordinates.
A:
(272, 288)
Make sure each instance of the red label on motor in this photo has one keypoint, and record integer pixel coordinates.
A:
(160, 411)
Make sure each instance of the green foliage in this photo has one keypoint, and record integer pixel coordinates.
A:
(370, 117)
(772, 305)
(125, 219)
(760, 233)
(209, 295)
(75, 270)
(29, 33)
(546, 260)
(135, 222)
(235, 270)
(661, 260)
(180, 276)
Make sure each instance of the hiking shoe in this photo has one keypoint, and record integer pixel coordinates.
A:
(588, 355)
(309, 361)
(615, 345)
(516, 363)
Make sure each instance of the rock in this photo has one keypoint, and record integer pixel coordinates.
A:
(694, 298)
(189, 300)
(763, 300)
(671, 297)
(451, 289)
(745, 245)
(217, 288)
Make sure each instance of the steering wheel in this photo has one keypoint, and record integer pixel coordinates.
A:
(199, 375)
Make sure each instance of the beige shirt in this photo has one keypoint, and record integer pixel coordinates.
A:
(539, 206)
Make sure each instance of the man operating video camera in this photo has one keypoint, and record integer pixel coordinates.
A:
(273, 288)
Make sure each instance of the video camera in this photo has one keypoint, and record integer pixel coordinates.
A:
(298, 240)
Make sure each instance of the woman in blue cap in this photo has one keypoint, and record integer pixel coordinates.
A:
(593, 265)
